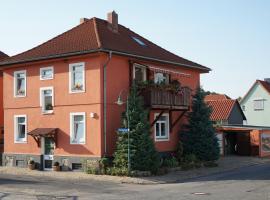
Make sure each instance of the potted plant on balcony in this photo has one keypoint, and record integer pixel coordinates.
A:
(56, 166)
(31, 164)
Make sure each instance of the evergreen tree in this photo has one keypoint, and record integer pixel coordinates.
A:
(198, 136)
(143, 155)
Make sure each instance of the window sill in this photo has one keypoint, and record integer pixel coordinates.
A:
(19, 96)
(48, 113)
(79, 143)
(45, 79)
(20, 142)
(75, 92)
(162, 139)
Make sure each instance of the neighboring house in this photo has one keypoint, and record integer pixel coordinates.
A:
(59, 97)
(256, 103)
(3, 56)
(225, 111)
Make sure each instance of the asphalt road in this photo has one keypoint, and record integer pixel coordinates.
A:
(249, 183)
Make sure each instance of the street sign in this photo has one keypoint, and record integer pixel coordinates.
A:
(124, 130)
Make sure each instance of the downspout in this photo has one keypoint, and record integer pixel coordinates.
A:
(105, 101)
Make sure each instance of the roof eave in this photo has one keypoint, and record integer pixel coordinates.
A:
(6, 63)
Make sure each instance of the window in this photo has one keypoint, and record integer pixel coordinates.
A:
(258, 104)
(46, 99)
(162, 128)
(20, 129)
(138, 41)
(139, 73)
(20, 83)
(243, 107)
(46, 73)
(161, 78)
(76, 78)
(77, 128)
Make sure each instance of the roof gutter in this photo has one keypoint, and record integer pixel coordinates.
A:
(206, 69)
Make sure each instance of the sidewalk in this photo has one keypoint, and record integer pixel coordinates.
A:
(225, 164)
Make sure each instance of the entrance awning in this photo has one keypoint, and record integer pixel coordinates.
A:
(44, 132)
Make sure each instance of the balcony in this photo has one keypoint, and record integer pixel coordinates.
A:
(158, 98)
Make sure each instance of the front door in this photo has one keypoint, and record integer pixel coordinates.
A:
(48, 153)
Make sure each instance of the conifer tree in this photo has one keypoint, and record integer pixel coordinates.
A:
(198, 136)
(143, 155)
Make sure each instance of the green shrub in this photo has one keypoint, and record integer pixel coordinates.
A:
(170, 162)
(210, 164)
(113, 171)
(179, 151)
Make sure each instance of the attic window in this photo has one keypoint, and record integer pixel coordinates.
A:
(139, 41)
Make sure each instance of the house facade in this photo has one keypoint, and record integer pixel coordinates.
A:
(256, 103)
(3, 56)
(59, 97)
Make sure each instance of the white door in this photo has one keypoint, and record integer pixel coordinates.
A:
(48, 153)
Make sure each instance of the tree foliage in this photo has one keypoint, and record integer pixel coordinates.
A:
(198, 135)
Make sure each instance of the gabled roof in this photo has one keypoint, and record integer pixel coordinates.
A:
(213, 97)
(264, 84)
(94, 35)
(3, 56)
(221, 109)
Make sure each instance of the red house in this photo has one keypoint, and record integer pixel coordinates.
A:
(59, 97)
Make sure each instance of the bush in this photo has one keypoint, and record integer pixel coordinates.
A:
(56, 164)
(91, 167)
(113, 171)
(190, 161)
(170, 162)
(179, 151)
(210, 164)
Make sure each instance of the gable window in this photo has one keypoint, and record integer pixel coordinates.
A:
(20, 129)
(161, 78)
(258, 104)
(46, 99)
(20, 83)
(162, 128)
(139, 73)
(46, 73)
(77, 128)
(76, 78)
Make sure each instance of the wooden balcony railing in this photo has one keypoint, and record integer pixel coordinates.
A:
(163, 99)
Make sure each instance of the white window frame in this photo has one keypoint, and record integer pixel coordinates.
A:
(72, 127)
(46, 68)
(258, 109)
(71, 77)
(16, 140)
(15, 83)
(41, 97)
(163, 138)
(144, 71)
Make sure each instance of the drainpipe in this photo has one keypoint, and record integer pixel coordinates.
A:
(105, 101)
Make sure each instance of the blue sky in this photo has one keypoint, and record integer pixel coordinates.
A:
(230, 36)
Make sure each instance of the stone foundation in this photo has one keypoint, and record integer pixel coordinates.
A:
(67, 163)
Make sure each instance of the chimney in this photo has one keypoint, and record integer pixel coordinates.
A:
(82, 20)
(267, 80)
(112, 18)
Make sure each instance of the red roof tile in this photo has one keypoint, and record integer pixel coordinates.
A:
(221, 109)
(214, 97)
(94, 35)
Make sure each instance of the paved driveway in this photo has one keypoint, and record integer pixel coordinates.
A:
(247, 183)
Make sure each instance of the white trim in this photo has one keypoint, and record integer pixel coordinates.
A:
(46, 68)
(15, 83)
(142, 67)
(167, 138)
(16, 129)
(70, 78)
(41, 99)
(71, 123)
